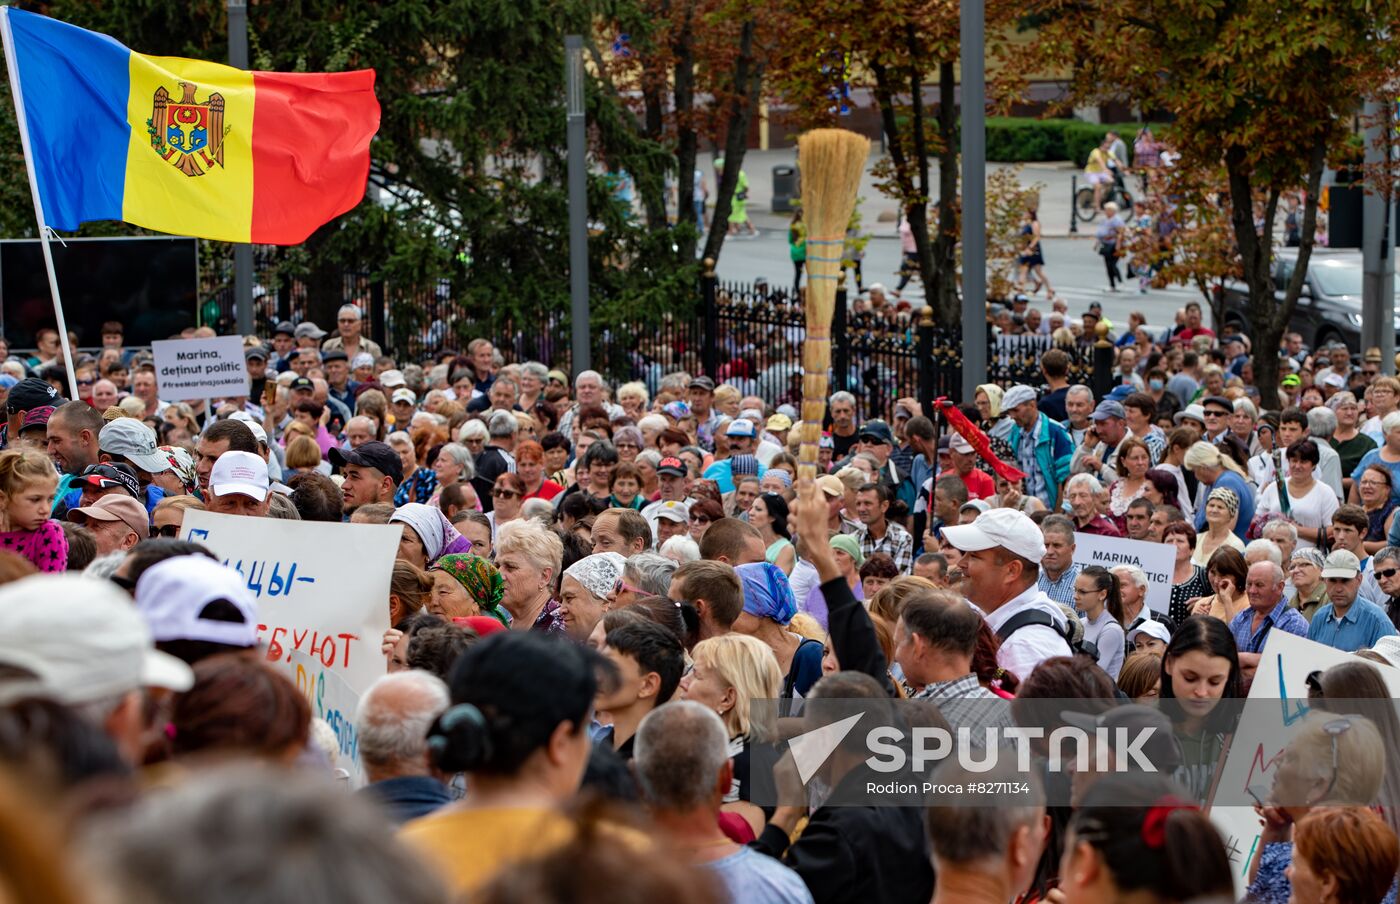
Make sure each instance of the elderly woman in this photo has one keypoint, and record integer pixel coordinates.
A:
(1387, 456)
(1189, 580)
(418, 482)
(768, 608)
(633, 398)
(1379, 506)
(1309, 590)
(454, 464)
(1307, 779)
(1347, 439)
(465, 585)
(427, 534)
(528, 556)
(533, 376)
(1222, 509)
(529, 466)
(474, 435)
(730, 672)
(628, 442)
(589, 588)
(508, 496)
(1216, 471)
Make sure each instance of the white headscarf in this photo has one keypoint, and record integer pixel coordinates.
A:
(598, 573)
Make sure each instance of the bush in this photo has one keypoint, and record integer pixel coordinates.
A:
(1026, 140)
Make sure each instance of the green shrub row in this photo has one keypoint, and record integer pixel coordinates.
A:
(1025, 140)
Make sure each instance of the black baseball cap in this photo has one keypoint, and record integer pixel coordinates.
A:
(32, 393)
(302, 383)
(375, 455)
(112, 474)
(876, 430)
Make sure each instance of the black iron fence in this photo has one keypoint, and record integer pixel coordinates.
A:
(747, 334)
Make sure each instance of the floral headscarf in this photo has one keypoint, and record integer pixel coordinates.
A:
(182, 464)
(598, 573)
(481, 580)
(767, 593)
(438, 535)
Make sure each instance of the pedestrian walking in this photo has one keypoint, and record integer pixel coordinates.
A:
(1107, 238)
(1031, 261)
(797, 250)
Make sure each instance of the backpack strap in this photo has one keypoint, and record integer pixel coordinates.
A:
(1028, 617)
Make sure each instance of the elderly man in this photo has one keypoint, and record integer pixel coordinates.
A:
(986, 854)
(1268, 609)
(1002, 551)
(349, 340)
(1079, 406)
(980, 484)
(934, 641)
(622, 531)
(1043, 447)
(1057, 567)
(1386, 567)
(1082, 494)
(117, 522)
(683, 766)
(842, 406)
(238, 485)
(589, 390)
(391, 728)
(1346, 621)
(339, 386)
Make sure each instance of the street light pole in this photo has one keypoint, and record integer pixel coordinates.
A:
(578, 201)
(974, 195)
(243, 252)
(1377, 247)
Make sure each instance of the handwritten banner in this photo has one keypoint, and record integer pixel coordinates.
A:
(322, 588)
(335, 703)
(1157, 560)
(1277, 703)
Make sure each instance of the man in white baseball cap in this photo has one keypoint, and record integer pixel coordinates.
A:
(81, 641)
(238, 485)
(196, 607)
(1001, 551)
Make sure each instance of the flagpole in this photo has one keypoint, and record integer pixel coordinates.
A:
(9, 43)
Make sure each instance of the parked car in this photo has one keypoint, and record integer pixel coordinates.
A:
(1329, 306)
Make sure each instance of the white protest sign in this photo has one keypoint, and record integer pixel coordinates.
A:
(1276, 704)
(322, 589)
(333, 701)
(1157, 560)
(200, 368)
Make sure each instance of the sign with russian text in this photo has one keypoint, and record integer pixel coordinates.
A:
(333, 702)
(1278, 701)
(322, 588)
(200, 368)
(1155, 559)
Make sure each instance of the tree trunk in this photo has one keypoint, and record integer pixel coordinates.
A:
(947, 308)
(748, 78)
(1267, 315)
(687, 141)
(651, 186)
(913, 198)
(325, 282)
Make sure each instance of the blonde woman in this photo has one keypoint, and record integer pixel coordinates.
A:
(1217, 471)
(633, 398)
(730, 672)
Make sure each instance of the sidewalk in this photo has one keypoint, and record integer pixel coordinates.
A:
(880, 214)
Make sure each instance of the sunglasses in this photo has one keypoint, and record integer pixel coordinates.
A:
(1217, 414)
(1388, 573)
(170, 531)
(504, 494)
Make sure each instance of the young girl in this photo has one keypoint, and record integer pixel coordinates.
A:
(27, 486)
(626, 488)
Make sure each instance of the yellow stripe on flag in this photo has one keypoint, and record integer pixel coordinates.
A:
(198, 178)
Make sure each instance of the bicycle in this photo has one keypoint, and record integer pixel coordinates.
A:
(1117, 192)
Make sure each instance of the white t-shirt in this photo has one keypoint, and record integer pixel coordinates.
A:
(1029, 647)
(1314, 509)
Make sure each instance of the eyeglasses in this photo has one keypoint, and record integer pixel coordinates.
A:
(1388, 573)
(500, 493)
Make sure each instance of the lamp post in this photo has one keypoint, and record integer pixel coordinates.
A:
(1378, 246)
(974, 193)
(578, 201)
(242, 252)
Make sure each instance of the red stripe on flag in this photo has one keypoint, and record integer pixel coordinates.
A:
(311, 135)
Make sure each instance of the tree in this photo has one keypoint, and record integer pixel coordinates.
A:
(1263, 90)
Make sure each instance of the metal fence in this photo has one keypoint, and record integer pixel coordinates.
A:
(747, 334)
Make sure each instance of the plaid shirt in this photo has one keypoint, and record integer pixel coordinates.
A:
(897, 543)
(1061, 591)
(967, 704)
(1025, 458)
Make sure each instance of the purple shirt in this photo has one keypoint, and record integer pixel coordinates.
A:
(815, 604)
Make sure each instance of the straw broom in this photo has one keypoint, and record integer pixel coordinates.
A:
(831, 162)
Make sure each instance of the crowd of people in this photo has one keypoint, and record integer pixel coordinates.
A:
(597, 591)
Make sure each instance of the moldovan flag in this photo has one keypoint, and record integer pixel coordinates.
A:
(184, 146)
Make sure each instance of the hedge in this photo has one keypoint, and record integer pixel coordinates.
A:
(1025, 140)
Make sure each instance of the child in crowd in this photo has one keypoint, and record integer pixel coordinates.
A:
(27, 486)
(626, 487)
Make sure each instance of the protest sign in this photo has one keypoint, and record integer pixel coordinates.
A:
(1277, 702)
(1155, 559)
(335, 703)
(200, 368)
(322, 589)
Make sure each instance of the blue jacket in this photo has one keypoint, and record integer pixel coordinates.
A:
(1053, 451)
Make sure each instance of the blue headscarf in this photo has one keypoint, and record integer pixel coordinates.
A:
(766, 592)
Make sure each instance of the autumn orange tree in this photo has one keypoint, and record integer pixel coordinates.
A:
(1261, 89)
(896, 50)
